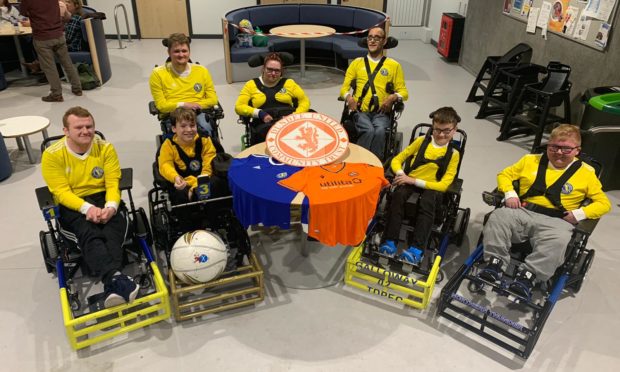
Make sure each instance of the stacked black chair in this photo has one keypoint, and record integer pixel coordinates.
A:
(532, 110)
(521, 53)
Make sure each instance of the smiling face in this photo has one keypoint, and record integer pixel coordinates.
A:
(80, 132)
(185, 130)
(443, 132)
(376, 41)
(179, 55)
(562, 151)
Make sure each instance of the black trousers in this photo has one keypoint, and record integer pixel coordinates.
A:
(259, 131)
(101, 244)
(429, 204)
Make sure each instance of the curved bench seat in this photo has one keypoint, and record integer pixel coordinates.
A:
(335, 47)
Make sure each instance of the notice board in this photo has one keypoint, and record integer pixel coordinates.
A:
(588, 22)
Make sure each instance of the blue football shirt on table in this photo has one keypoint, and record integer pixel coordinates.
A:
(257, 197)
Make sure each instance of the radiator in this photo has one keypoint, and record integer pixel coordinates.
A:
(406, 12)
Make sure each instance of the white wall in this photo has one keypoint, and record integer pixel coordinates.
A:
(438, 7)
(207, 14)
(107, 7)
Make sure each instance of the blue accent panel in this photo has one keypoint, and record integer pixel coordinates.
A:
(444, 245)
(279, 44)
(283, 15)
(146, 250)
(244, 54)
(557, 289)
(474, 256)
(60, 271)
(334, 16)
(347, 47)
(364, 19)
(322, 43)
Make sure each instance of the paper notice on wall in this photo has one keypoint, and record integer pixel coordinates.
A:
(527, 5)
(558, 15)
(543, 16)
(531, 20)
(602, 35)
(582, 28)
(599, 9)
(572, 13)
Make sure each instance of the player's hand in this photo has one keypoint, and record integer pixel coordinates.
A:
(267, 119)
(388, 102)
(351, 103)
(570, 217)
(93, 214)
(192, 106)
(403, 179)
(179, 183)
(106, 214)
(513, 203)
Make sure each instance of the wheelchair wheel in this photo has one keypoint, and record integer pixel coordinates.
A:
(462, 225)
(74, 302)
(440, 276)
(49, 250)
(475, 286)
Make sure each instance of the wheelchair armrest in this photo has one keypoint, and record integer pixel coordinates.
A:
(399, 106)
(455, 187)
(44, 198)
(493, 198)
(152, 108)
(341, 99)
(587, 226)
(126, 182)
(216, 112)
(244, 120)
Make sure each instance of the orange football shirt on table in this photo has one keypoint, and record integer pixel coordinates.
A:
(343, 198)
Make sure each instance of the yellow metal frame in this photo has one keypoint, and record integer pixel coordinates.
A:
(378, 281)
(227, 292)
(93, 328)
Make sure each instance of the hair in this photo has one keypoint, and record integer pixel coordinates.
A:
(177, 38)
(78, 6)
(564, 131)
(377, 27)
(445, 115)
(181, 113)
(273, 57)
(78, 111)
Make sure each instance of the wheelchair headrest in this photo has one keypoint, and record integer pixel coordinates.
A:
(259, 59)
(392, 42)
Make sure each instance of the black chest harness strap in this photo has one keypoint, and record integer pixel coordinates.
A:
(420, 159)
(270, 94)
(370, 84)
(193, 166)
(553, 192)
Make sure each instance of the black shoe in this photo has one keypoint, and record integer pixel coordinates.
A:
(492, 272)
(52, 98)
(523, 283)
(121, 289)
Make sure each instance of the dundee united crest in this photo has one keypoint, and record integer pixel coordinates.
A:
(307, 139)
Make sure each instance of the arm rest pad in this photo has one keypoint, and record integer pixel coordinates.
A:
(586, 226)
(44, 197)
(126, 182)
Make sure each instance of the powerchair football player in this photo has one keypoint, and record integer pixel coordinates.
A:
(428, 226)
(533, 246)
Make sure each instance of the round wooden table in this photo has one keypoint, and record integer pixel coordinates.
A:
(302, 32)
(288, 257)
(20, 127)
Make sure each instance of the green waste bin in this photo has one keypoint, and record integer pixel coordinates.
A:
(601, 132)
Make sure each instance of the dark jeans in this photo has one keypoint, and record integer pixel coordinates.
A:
(101, 244)
(259, 131)
(428, 205)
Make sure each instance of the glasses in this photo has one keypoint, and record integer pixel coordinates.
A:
(563, 149)
(273, 70)
(442, 131)
(374, 38)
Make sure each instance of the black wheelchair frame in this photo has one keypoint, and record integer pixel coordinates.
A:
(512, 335)
(63, 257)
(452, 228)
(214, 115)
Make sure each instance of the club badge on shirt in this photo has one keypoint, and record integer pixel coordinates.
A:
(194, 165)
(97, 172)
(283, 90)
(384, 71)
(567, 188)
(282, 175)
(197, 87)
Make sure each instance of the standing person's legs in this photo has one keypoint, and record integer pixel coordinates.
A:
(380, 123)
(65, 60)
(45, 51)
(363, 125)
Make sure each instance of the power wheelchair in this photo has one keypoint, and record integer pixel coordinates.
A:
(497, 323)
(393, 138)
(91, 324)
(242, 282)
(396, 279)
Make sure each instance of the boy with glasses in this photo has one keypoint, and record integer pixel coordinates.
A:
(371, 101)
(552, 188)
(427, 166)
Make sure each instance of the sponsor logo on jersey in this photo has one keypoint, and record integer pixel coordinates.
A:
(307, 139)
(384, 71)
(194, 165)
(283, 90)
(353, 174)
(282, 175)
(197, 87)
(567, 188)
(97, 172)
